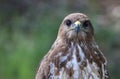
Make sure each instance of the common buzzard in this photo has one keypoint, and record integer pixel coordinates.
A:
(74, 54)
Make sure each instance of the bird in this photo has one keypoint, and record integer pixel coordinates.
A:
(74, 54)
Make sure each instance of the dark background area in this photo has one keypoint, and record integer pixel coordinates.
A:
(28, 28)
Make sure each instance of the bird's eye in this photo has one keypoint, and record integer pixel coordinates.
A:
(86, 24)
(68, 22)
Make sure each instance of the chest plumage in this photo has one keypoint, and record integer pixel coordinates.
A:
(74, 65)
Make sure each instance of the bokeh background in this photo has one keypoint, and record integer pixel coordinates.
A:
(29, 27)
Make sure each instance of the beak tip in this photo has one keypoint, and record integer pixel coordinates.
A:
(77, 28)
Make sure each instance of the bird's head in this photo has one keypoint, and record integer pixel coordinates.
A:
(76, 27)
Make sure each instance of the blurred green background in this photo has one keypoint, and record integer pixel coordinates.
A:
(28, 28)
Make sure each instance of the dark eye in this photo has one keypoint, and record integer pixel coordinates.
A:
(86, 24)
(68, 22)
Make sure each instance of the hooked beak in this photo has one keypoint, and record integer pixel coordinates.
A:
(77, 26)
